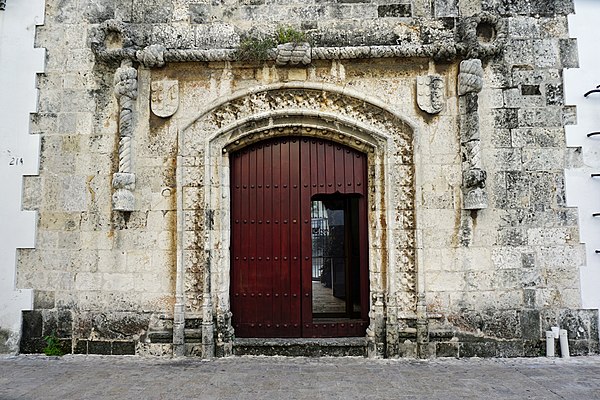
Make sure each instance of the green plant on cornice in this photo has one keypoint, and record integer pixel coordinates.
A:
(255, 49)
(252, 48)
(52, 345)
(287, 34)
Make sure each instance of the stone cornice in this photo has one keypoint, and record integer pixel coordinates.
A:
(466, 44)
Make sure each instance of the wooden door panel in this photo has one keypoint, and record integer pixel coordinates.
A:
(272, 184)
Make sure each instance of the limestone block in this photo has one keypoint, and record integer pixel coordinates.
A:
(546, 53)
(507, 257)
(506, 159)
(569, 56)
(514, 98)
(523, 27)
(162, 261)
(444, 8)
(166, 239)
(549, 236)
(151, 283)
(506, 118)
(88, 281)
(538, 137)
(545, 159)
(112, 261)
(117, 282)
(81, 59)
(444, 281)
(519, 52)
(174, 36)
(570, 256)
(101, 240)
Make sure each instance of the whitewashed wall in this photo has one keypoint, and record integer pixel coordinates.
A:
(19, 152)
(583, 191)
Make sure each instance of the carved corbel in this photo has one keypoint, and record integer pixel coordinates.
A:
(126, 92)
(293, 54)
(2, 5)
(470, 83)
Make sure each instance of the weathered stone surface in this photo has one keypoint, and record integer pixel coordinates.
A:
(470, 191)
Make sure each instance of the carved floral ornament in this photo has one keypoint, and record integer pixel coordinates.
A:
(468, 43)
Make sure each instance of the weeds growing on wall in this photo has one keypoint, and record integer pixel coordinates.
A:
(259, 48)
(52, 346)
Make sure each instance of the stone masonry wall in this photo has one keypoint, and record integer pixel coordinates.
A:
(487, 282)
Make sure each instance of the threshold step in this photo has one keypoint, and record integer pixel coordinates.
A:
(301, 347)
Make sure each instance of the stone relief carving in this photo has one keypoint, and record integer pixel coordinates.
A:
(430, 93)
(322, 113)
(470, 82)
(467, 44)
(164, 98)
(430, 99)
(293, 54)
(470, 77)
(124, 180)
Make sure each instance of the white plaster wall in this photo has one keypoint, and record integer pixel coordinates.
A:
(583, 191)
(19, 151)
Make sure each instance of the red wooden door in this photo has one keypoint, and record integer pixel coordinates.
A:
(272, 184)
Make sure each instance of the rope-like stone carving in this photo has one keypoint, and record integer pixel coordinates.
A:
(293, 54)
(470, 82)
(126, 92)
(468, 44)
(471, 46)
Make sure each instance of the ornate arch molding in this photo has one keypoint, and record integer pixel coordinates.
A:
(323, 111)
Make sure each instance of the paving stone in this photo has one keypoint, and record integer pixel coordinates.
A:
(129, 377)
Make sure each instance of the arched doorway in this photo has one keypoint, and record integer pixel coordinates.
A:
(299, 265)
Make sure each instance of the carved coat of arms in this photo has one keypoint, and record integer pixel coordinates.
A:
(164, 98)
(430, 93)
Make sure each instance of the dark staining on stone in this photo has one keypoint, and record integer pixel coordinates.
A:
(486, 32)
(554, 94)
(569, 56)
(530, 90)
(99, 347)
(506, 118)
(528, 260)
(199, 13)
(210, 219)
(394, 10)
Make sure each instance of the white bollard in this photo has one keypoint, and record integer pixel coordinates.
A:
(549, 344)
(564, 344)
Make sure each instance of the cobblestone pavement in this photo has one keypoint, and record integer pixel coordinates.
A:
(129, 377)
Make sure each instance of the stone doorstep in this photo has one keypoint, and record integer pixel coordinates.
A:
(298, 347)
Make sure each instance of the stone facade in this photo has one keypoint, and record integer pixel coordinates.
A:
(472, 248)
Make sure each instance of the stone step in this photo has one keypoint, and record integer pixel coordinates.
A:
(313, 347)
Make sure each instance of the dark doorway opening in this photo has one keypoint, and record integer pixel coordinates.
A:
(335, 256)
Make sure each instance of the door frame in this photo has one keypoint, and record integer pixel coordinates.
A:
(339, 114)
